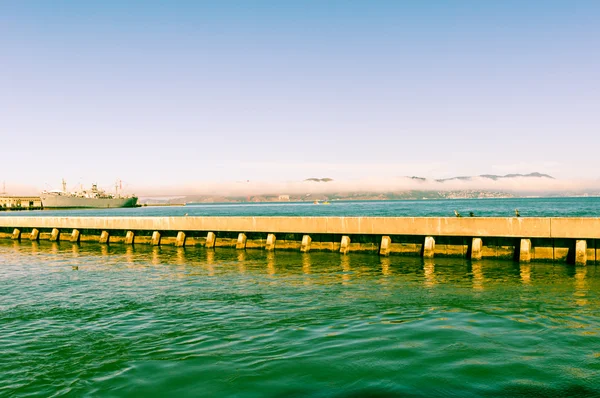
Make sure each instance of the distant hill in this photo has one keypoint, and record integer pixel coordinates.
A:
(497, 177)
(319, 179)
(412, 188)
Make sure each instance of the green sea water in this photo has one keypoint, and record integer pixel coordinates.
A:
(493, 207)
(93, 320)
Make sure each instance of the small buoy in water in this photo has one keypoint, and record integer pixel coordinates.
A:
(457, 214)
(186, 214)
(75, 267)
(517, 213)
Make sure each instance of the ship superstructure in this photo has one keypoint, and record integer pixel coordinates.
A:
(93, 198)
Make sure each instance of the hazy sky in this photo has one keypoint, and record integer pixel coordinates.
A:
(184, 92)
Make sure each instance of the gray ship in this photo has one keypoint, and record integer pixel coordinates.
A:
(94, 198)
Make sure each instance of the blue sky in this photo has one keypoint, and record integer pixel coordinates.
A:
(179, 93)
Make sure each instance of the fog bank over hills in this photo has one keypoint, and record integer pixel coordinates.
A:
(409, 187)
(401, 187)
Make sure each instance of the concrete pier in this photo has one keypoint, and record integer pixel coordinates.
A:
(429, 247)
(476, 246)
(75, 236)
(241, 241)
(104, 237)
(384, 248)
(575, 240)
(270, 242)
(345, 244)
(180, 242)
(211, 239)
(525, 251)
(305, 245)
(580, 252)
(129, 238)
(155, 238)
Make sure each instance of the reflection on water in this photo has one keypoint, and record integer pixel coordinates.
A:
(305, 263)
(581, 286)
(210, 260)
(156, 255)
(129, 251)
(525, 273)
(75, 249)
(477, 270)
(143, 320)
(271, 263)
(180, 256)
(346, 271)
(429, 272)
(385, 266)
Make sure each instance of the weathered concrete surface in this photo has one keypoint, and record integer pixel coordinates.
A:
(180, 241)
(305, 245)
(527, 239)
(580, 252)
(525, 251)
(424, 226)
(575, 228)
(211, 239)
(345, 244)
(384, 247)
(16, 235)
(104, 237)
(476, 247)
(130, 238)
(156, 238)
(75, 236)
(429, 247)
(270, 245)
(241, 241)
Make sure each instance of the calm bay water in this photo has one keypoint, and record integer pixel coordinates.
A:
(193, 322)
(528, 207)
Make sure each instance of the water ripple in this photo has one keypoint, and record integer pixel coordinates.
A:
(164, 323)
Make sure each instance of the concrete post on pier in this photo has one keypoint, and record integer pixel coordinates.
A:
(305, 246)
(345, 244)
(270, 242)
(55, 235)
(16, 235)
(75, 236)
(525, 251)
(211, 238)
(155, 238)
(104, 237)
(384, 249)
(476, 246)
(129, 238)
(241, 241)
(180, 241)
(428, 247)
(35, 235)
(580, 252)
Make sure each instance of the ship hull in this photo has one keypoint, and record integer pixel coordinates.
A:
(70, 202)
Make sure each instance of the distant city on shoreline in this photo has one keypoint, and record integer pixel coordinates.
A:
(400, 194)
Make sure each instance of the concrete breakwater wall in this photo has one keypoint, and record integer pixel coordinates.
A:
(575, 240)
